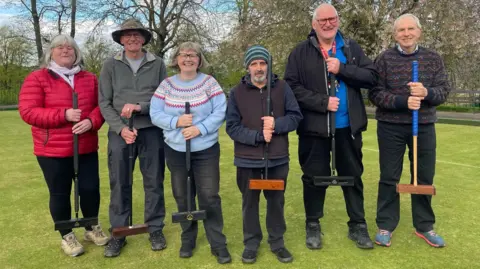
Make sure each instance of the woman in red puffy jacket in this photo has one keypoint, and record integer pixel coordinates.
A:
(45, 103)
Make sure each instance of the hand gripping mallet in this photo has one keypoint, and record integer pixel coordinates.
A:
(76, 222)
(189, 215)
(409, 188)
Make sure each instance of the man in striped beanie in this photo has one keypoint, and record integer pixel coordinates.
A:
(251, 130)
(255, 52)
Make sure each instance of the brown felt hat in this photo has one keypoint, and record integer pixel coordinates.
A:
(132, 24)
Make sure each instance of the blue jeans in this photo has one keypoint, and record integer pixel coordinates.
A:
(205, 175)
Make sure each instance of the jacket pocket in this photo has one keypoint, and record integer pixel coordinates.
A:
(46, 137)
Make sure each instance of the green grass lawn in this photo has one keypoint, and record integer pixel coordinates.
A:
(29, 241)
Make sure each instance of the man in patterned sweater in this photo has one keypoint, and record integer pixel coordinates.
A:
(395, 96)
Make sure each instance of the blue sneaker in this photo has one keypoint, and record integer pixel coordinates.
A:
(383, 238)
(432, 238)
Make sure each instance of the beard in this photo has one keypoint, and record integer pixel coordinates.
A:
(259, 79)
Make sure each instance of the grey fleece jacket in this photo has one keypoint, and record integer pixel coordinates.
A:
(119, 85)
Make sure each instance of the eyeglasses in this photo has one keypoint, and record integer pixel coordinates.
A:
(332, 20)
(61, 47)
(188, 55)
(132, 35)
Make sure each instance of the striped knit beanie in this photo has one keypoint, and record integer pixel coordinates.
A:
(255, 52)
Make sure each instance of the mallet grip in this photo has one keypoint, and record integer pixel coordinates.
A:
(188, 142)
(75, 160)
(415, 126)
(415, 112)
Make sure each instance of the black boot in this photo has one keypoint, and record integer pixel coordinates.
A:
(157, 239)
(283, 255)
(223, 256)
(314, 238)
(114, 247)
(186, 250)
(359, 234)
(249, 256)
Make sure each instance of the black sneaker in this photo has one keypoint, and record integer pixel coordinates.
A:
(313, 238)
(158, 240)
(223, 256)
(186, 250)
(283, 255)
(249, 256)
(359, 234)
(114, 247)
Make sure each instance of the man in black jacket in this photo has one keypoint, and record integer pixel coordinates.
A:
(307, 70)
(250, 130)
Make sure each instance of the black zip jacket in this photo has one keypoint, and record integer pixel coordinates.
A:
(306, 74)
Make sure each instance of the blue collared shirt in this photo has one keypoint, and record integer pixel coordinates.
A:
(341, 116)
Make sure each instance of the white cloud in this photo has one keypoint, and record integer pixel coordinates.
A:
(5, 18)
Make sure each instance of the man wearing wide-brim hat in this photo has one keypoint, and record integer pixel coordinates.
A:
(132, 25)
(126, 84)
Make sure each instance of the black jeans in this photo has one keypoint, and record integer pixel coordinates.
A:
(314, 157)
(58, 173)
(148, 147)
(205, 175)
(276, 227)
(392, 141)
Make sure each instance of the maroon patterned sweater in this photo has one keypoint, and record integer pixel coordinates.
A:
(391, 93)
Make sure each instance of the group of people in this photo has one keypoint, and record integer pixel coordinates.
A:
(134, 83)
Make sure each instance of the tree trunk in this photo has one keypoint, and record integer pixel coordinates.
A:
(36, 27)
(72, 21)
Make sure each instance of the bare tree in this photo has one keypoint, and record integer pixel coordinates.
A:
(36, 25)
(169, 20)
(95, 51)
(55, 16)
(73, 18)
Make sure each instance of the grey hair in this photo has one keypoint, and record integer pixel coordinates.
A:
(58, 41)
(314, 17)
(189, 46)
(415, 18)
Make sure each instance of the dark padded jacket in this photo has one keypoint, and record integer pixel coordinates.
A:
(306, 74)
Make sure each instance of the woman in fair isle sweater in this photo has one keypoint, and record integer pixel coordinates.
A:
(207, 113)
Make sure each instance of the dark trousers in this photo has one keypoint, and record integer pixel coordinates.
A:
(148, 147)
(392, 139)
(58, 173)
(314, 157)
(205, 176)
(276, 227)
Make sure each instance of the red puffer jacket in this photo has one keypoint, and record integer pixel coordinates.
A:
(43, 101)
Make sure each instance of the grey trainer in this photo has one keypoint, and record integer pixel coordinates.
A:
(96, 236)
(71, 246)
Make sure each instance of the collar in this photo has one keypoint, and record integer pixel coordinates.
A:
(120, 56)
(404, 52)
(339, 39)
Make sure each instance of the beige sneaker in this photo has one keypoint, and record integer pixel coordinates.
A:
(71, 246)
(96, 236)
